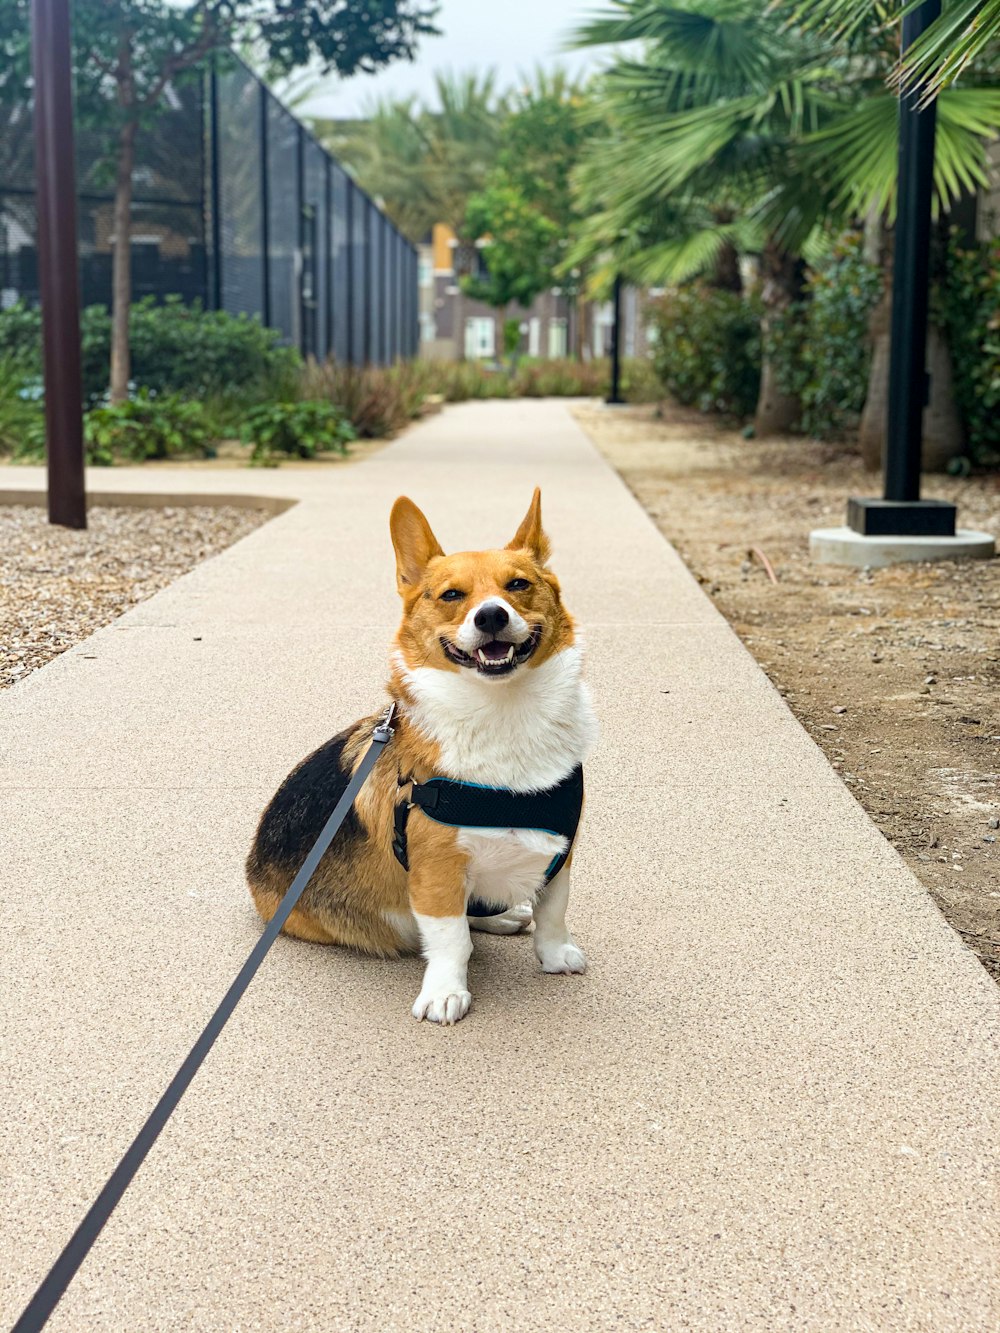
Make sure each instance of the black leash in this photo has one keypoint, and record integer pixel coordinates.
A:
(61, 1274)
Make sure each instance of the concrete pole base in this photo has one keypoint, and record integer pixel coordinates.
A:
(844, 546)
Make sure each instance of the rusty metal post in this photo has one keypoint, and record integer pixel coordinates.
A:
(55, 169)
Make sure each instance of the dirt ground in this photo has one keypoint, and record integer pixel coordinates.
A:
(895, 673)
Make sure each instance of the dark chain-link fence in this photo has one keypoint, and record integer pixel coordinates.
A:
(235, 206)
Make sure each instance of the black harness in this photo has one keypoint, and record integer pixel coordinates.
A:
(468, 805)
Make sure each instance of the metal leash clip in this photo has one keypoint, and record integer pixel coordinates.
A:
(384, 731)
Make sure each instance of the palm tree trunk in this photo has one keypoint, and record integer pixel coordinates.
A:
(874, 414)
(777, 411)
(726, 273)
(121, 283)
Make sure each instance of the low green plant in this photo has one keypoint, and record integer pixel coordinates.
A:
(707, 351)
(299, 429)
(22, 423)
(968, 304)
(821, 347)
(145, 427)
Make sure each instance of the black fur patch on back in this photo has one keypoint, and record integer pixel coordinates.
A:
(302, 805)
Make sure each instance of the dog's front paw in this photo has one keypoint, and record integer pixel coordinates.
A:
(444, 1004)
(565, 957)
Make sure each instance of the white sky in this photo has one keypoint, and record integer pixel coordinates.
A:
(512, 36)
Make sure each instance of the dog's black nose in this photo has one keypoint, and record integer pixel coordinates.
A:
(491, 618)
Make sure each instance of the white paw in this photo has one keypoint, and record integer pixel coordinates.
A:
(561, 957)
(446, 1004)
(511, 922)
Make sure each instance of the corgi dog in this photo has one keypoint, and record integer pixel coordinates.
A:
(492, 723)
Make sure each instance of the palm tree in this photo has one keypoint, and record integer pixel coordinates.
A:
(423, 162)
(758, 133)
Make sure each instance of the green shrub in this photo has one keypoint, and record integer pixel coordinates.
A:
(969, 308)
(820, 346)
(707, 350)
(300, 429)
(460, 381)
(175, 348)
(147, 426)
(186, 349)
(22, 422)
(561, 378)
(640, 383)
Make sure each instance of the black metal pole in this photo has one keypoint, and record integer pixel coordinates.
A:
(59, 283)
(616, 344)
(901, 512)
(215, 184)
(349, 292)
(265, 206)
(910, 278)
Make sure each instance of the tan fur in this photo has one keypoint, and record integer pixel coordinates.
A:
(359, 886)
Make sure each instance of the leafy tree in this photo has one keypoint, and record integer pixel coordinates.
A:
(542, 141)
(520, 247)
(130, 53)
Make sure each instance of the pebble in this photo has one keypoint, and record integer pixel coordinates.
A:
(58, 585)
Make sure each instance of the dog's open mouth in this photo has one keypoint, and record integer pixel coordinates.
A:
(495, 658)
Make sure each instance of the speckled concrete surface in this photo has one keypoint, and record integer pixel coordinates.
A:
(771, 1104)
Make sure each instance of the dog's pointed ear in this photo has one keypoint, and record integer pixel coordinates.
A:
(529, 536)
(414, 543)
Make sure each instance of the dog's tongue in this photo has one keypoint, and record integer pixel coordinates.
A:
(495, 651)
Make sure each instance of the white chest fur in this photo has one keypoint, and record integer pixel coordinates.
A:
(507, 866)
(526, 733)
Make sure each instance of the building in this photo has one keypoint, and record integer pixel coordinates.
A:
(454, 327)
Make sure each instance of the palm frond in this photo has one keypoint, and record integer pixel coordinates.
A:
(856, 158)
(966, 31)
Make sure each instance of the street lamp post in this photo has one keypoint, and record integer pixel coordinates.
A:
(57, 260)
(615, 396)
(901, 512)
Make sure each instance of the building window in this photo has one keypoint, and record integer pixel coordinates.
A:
(425, 271)
(480, 337)
(534, 336)
(604, 319)
(557, 337)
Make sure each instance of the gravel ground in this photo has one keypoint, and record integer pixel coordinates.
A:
(57, 585)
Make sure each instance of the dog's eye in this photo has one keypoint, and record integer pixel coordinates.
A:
(518, 585)
(451, 595)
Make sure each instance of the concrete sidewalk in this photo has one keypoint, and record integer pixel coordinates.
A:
(771, 1104)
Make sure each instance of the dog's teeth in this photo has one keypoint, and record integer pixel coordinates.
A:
(510, 653)
(482, 656)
